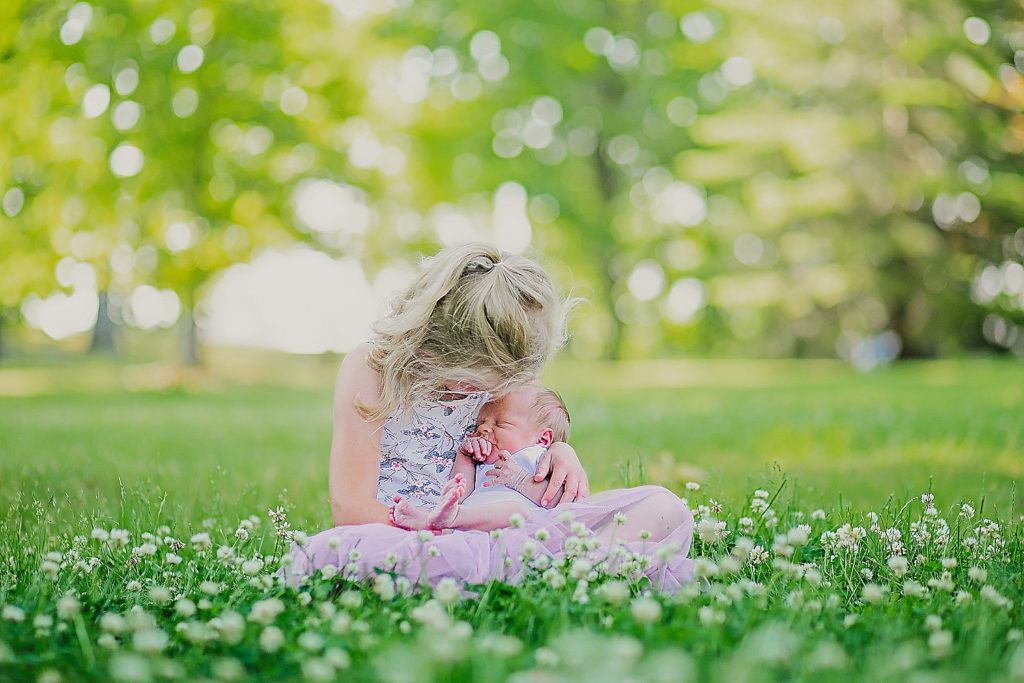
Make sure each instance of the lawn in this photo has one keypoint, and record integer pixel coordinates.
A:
(198, 453)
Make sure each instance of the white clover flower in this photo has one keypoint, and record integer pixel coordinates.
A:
(708, 616)
(351, 600)
(818, 515)
(758, 555)
(149, 641)
(338, 658)
(619, 518)
(310, 641)
(692, 486)
(1015, 635)
(172, 559)
(704, 568)
(542, 535)
(580, 568)
(949, 562)
(912, 589)
(133, 586)
(128, 667)
(68, 606)
(873, 593)
(119, 538)
(99, 534)
(341, 623)
(614, 592)
(50, 567)
(516, 520)
(252, 567)
(159, 594)
(201, 541)
(500, 645)
(898, 564)
(967, 510)
(230, 625)
(746, 524)
(185, 607)
(849, 620)
(761, 493)
(271, 639)
(962, 598)
(111, 622)
(242, 534)
(304, 599)
(147, 549)
(265, 611)
(318, 670)
(799, 535)
(13, 613)
(933, 622)
(554, 578)
(812, 576)
(645, 610)
(988, 592)
(384, 586)
(447, 591)
(644, 534)
(744, 545)
(710, 530)
(431, 614)
(940, 643)
(108, 641)
(977, 574)
(943, 583)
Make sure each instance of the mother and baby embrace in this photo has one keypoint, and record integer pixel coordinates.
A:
(449, 459)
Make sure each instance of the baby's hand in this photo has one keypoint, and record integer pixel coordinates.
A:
(477, 448)
(508, 472)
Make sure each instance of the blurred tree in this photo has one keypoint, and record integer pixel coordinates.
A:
(725, 178)
(182, 129)
(726, 187)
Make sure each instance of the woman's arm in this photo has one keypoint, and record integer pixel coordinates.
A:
(355, 445)
(565, 468)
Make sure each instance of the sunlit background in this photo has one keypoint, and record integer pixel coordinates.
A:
(792, 179)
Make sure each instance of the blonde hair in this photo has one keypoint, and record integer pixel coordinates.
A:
(475, 315)
(548, 410)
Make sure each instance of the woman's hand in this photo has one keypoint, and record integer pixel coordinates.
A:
(565, 468)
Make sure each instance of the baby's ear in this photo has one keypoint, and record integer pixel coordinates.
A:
(546, 437)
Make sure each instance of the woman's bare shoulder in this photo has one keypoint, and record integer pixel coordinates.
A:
(355, 376)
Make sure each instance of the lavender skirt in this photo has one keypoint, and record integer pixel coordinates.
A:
(357, 551)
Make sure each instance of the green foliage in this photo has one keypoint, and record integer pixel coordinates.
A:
(731, 178)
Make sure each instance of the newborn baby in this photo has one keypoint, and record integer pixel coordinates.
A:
(492, 477)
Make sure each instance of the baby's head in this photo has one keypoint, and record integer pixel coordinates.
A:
(528, 416)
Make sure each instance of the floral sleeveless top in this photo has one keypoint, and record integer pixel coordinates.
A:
(418, 445)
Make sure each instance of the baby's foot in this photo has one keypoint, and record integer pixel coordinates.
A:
(409, 516)
(443, 516)
(451, 484)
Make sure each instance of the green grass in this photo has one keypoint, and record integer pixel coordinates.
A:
(77, 451)
(953, 427)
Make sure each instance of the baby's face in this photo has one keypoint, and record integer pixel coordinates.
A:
(507, 422)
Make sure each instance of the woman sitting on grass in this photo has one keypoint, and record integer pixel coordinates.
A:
(476, 324)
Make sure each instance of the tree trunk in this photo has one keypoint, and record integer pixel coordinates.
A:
(190, 340)
(103, 333)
